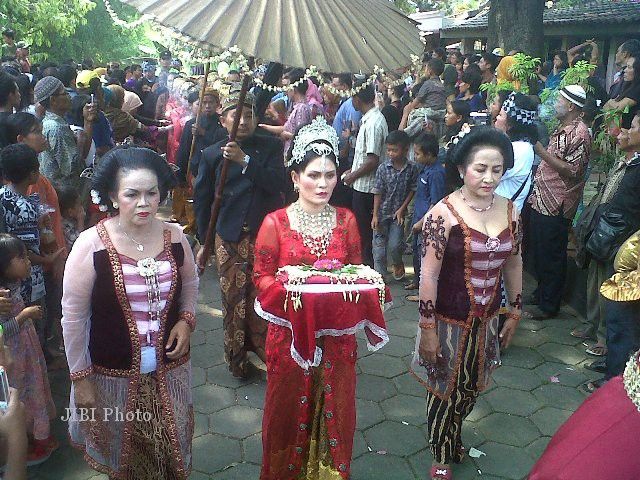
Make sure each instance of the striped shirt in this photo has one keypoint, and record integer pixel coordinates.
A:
(137, 294)
(371, 137)
(488, 257)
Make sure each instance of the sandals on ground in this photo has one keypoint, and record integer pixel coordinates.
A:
(411, 286)
(597, 350)
(440, 472)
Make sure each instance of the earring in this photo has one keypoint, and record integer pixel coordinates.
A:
(461, 177)
(115, 205)
(296, 188)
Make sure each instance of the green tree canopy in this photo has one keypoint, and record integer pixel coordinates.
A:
(41, 21)
(100, 39)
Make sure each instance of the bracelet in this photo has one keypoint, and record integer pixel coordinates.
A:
(189, 318)
(427, 326)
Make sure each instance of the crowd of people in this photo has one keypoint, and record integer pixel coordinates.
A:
(469, 183)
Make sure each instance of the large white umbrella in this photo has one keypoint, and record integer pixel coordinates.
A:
(334, 35)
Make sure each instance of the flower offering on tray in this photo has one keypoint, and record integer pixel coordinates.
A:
(350, 280)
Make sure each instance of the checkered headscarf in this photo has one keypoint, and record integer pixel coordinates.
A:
(520, 115)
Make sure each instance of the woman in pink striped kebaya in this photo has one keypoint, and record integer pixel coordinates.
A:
(130, 289)
(470, 239)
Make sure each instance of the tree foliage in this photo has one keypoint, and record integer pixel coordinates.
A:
(41, 21)
(100, 39)
(449, 7)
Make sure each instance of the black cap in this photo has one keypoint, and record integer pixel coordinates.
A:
(165, 54)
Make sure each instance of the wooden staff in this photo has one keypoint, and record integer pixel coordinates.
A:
(207, 68)
(217, 203)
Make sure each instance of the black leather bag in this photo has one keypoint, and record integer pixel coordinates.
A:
(584, 227)
(611, 229)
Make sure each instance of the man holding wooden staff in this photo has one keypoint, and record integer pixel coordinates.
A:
(254, 187)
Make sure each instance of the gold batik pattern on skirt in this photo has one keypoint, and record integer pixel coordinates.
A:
(244, 330)
(151, 452)
(445, 417)
(319, 464)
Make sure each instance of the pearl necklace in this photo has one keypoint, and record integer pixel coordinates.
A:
(316, 229)
(139, 246)
(480, 210)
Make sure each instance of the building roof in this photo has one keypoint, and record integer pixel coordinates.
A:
(590, 12)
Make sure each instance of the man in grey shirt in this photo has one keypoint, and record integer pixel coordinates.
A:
(432, 93)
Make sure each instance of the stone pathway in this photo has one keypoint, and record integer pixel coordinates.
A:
(533, 393)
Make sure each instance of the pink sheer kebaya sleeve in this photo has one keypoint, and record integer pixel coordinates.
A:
(512, 270)
(79, 278)
(435, 235)
(267, 254)
(190, 284)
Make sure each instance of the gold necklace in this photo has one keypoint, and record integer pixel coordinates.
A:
(316, 229)
(139, 246)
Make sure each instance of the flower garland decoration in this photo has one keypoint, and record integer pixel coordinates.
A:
(466, 128)
(312, 71)
(122, 23)
(336, 272)
(96, 200)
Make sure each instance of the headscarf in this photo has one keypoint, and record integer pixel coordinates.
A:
(131, 101)
(118, 96)
(502, 72)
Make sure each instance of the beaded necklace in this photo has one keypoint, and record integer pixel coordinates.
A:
(316, 229)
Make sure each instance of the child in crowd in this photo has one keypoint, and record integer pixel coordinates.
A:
(27, 371)
(429, 191)
(23, 217)
(73, 214)
(458, 112)
(395, 185)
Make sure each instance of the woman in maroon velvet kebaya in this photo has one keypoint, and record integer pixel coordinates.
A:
(470, 239)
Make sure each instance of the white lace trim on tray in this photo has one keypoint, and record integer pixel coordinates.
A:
(328, 332)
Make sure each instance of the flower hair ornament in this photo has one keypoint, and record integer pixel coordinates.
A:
(319, 137)
(526, 117)
(96, 200)
(466, 128)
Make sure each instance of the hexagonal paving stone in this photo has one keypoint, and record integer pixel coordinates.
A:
(529, 338)
(201, 426)
(556, 352)
(521, 357)
(211, 398)
(561, 334)
(409, 385)
(198, 337)
(252, 394)
(530, 324)
(198, 476)
(207, 355)
(360, 446)
(242, 470)
(516, 402)
(549, 419)
(398, 346)
(559, 396)
(472, 436)
(252, 449)
(508, 429)
(212, 453)
(395, 438)
(405, 408)
(237, 421)
(220, 375)
(374, 388)
(571, 376)
(515, 377)
(368, 413)
(372, 466)
(504, 461)
(403, 327)
(382, 365)
(480, 410)
(537, 447)
(198, 376)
